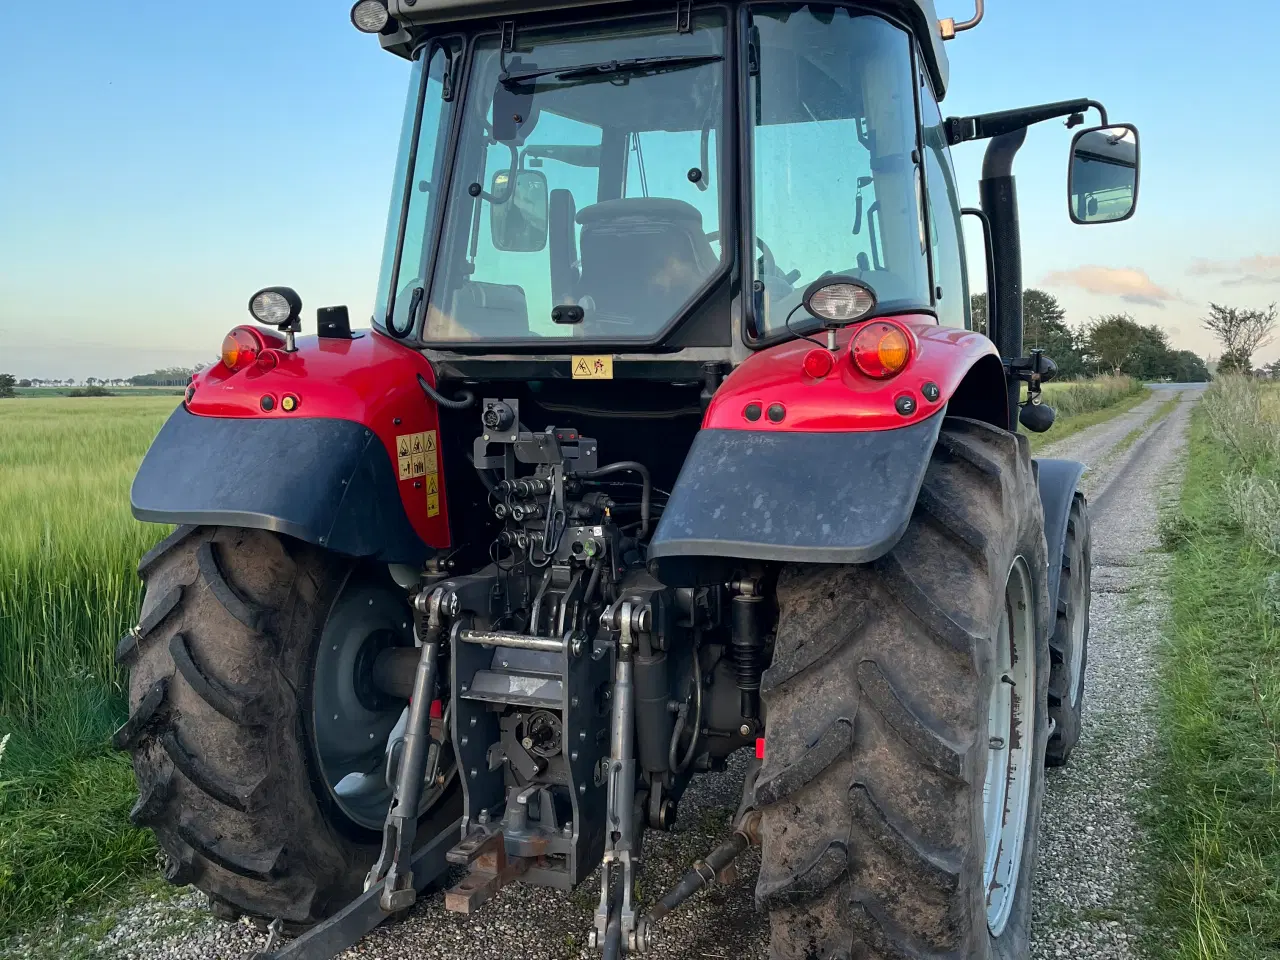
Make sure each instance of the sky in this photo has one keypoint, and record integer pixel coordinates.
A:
(160, 163)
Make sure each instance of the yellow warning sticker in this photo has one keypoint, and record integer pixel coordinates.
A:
(416, 455)
(433, 505)
(433, 485)
(592, 368)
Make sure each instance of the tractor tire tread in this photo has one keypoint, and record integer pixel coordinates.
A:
(872, 763)
(225, 778)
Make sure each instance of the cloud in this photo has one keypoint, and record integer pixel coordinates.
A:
(1258, 270)
(1130, 285)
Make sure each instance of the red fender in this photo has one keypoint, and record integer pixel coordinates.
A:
(846, 399)
(370, 379)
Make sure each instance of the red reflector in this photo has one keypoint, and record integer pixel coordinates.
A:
(437, 709)
(759, 748)
(818, 363)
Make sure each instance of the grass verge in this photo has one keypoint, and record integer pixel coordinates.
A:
(1215, 811)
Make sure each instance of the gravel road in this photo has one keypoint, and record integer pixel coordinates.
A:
(1090, 878)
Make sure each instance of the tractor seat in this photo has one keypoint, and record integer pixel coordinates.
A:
(489, 310)
(642, 258)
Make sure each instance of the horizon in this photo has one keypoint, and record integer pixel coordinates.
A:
(149, 188)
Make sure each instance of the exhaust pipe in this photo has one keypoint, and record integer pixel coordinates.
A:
(950, 28)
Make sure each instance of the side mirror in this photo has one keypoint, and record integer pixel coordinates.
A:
(1102, 184)
(518, 213)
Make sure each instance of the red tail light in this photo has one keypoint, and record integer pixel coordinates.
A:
(881, 349)
(241, 347)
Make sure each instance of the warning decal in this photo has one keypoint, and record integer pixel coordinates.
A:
(416, 460)
(592, 368)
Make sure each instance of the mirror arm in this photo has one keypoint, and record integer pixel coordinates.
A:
(991, 262)
(988, 125)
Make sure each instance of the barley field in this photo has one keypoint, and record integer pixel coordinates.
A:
(68, 544)
(68, 590)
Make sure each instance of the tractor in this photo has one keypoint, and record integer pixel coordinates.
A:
(670, 439)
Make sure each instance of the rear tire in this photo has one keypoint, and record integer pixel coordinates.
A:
(1069, 646)
(877, 742)
(221, 732)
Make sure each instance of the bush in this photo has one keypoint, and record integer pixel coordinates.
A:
(90, 392)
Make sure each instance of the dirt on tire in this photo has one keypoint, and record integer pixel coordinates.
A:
(877, 702)
(218, 724)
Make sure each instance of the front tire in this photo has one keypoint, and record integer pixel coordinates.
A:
(1069, 646)
(226, 671)
(880, 701)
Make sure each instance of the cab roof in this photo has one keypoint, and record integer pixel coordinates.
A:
(919, 14)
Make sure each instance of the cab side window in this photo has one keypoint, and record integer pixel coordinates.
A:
(950, 278)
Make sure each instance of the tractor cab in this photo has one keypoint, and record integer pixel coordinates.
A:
(661, 179)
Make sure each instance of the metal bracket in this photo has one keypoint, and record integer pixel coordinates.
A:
(684, 16)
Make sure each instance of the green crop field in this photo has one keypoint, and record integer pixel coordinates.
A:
(68, 549)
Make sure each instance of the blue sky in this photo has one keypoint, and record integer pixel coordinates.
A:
(160, 162)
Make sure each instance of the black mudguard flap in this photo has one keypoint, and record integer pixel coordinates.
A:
(797, 497)
(328, 482)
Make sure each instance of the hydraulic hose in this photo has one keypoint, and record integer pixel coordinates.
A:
(466, 400)
(674, 747)
(646, 490)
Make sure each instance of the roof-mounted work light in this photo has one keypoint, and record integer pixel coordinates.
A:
(371, 16)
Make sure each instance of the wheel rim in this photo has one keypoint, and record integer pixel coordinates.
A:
(353, 725)
(1011, 741)
(1078, 612)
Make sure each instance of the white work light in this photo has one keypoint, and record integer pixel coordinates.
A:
(370, 16)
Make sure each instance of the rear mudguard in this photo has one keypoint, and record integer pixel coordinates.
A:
(796, 469)
(353, 466)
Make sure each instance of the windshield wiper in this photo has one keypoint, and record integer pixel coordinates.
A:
(613, 68)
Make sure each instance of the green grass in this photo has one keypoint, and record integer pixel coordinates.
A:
(48, 392)
(68, 590)
(1215, 812)
(1087, 403)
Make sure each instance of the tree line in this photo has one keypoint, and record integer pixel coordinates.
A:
(1112, 343)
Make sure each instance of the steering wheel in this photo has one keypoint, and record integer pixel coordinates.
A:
(769, 266)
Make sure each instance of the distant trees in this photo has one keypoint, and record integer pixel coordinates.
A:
(7, 383)
(166, 377)
(1241, 332)
(1113, 343)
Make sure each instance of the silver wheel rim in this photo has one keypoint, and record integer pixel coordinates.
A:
(1011, 737)
(353, 728)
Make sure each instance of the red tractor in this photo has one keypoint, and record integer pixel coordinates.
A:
(671, 438)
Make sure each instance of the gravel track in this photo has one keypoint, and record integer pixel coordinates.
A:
(1090, 886)
(1089, 883)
